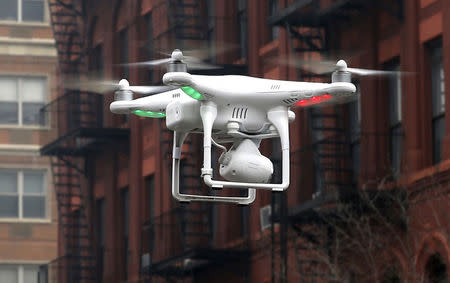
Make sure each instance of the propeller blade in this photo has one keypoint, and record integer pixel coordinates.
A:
(100, 87)
(150, 89)
(105, 86)
(325, 67)
(151, 63)
(368, 72)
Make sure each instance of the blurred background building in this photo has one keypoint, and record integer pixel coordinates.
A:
(368, 200)
(28, 211)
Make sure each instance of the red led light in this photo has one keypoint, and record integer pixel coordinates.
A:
(313, 100)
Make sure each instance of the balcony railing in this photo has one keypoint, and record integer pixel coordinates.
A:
(181, 240)
(76, 122)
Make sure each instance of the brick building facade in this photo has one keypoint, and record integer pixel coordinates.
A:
(28, 211)
(368, 200)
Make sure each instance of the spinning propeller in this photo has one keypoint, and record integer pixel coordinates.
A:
(176, 62)
(329, 66)
(106, 86)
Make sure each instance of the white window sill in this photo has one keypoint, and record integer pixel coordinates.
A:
(30, 221)
(24, 24)
(6, 126)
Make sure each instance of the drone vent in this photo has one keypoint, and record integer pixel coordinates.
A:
(176, 95)
(290, 101)
(275, 87)
(239, 113)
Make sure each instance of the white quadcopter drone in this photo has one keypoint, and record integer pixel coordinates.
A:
(230, 109)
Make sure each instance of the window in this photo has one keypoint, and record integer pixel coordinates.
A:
(273, 8)
(96, 60)
(242, 19)
(437, 100)
(101, 237)
(22, 10)
(22, 194)
(19, 273)
(316, 137)
(126, 214)
(211, 26)
(149, 46)
(435, 270)
(124, 53)
(355, 133)
(21, 99)
(150, 187)
(395, 119)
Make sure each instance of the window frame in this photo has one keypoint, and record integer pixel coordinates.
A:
(274, 31)
(20, 195)
(19, 20)
(20, 268)
(433, 47)
(125, 233)
(242, 18)
(395, 127)
(355, 133)
(19, 78)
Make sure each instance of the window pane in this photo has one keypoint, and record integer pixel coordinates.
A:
(126, 213)
(33, 182)
(9, 207)
(8, 273)
(33, 10)
(9, 107)
(396, 149)
(9, 113)
(437, 81)
(32, 114)
(8, 10)
(8, 182)
(30, 274)
(356, 160)
(8, 89)
(395, 102)
(354, 109)
(438, 136)
(33, 89)
(34, 207)
(124, 52)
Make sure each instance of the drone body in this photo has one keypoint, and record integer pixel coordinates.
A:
(241, 110)
(238, 109)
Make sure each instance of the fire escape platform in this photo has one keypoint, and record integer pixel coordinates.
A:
(86, 140)
(306, 12)
(315, 210)
(195, 259)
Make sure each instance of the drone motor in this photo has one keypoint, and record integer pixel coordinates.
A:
(123, 94)
(341, 75)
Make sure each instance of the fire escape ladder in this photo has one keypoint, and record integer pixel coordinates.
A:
(79, 259)
(78, 264)
(331, 153)
(304, 42)
(68, 39)
(186, 20)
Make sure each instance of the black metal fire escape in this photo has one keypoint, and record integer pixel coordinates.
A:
(311, 27)
(186, 19)
(76, 131)
(187, 229)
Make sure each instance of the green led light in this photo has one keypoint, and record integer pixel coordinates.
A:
(192, 92)
(149, 114)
